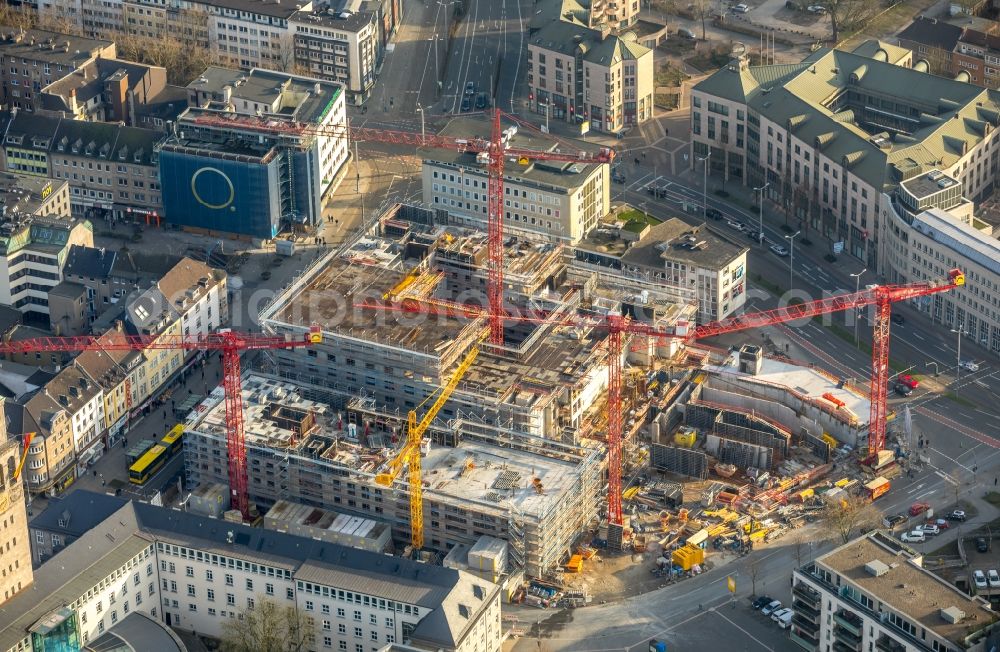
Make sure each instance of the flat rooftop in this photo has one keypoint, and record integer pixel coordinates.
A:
(329, 296)
(672, 240)
(306, 99)
(961, 238)
(906, 587)
(25, 194)
(807, 381)
(929, 184)
(555, 174)
(337, 443)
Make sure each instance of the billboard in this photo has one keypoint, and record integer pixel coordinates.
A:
(222, 193)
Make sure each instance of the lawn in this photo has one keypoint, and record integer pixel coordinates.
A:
(635, 220)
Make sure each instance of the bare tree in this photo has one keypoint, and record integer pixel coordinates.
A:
(851, 516)
(184, 61)
(754, 570)
(19, 17)
(702, 9)
(847, 14)
(267, 627)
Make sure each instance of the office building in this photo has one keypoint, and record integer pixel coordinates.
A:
(554, 201)
(340, 46)
(112, 171)
(33, 256)
(35, 58)
(195, 573)
(830, 137)
(874, 593)
(112, 90)
(224, 174)
(578, 74)
(671, 259)
(66, 519)
(22, 194)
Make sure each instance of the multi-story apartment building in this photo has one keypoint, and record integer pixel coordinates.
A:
(34, 58)
(50, 465)
(66, 519)
(150, 313)
(191, 573)
(30, 195)
(829, 157)
(339, 46)
(248, 34)
(94, 270)
(578, 74)
(114, 371)
(932, 41)
(16, 561)
(672, 259)
(33, 255)
(945, 48)
(83, 400)
(874, 593)
(199, 294)
(112, 171)
(112, 90)
(94, 18)
(554, 201)
(225, 170)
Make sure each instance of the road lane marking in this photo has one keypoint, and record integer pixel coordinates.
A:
(946, 478)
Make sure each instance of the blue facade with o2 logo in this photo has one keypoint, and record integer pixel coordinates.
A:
(258, 196)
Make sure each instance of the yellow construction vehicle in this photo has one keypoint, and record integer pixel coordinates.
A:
(409, 454)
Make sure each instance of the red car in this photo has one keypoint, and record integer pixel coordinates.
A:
(940, 522)
(916, 509)
(909, 381)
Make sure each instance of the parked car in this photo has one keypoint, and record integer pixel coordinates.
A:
(916, 536)
(979, 578)
(993, 578)
(894, 520)
(940, 522)
(713, 213)
(969, 365)
(741, 8)
(683, 32)
(902, 389)
(482, 101)
(982, 545)
(470, 88)
(466, 104)
(930, 529)
(762, 602)
(776, 616)
(916, 509)
(778, 250)
(897, 318)
(956, 515)
(786, 619)
(771, 607)
(909, 381)
(817, 9)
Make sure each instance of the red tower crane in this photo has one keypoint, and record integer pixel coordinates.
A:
(495, 149)
(231, 344)
(882, 297)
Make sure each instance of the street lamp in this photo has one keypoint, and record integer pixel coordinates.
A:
(857, 311)
(760, 198)
(423, 138)
(791, 256)
(704, 184)
(959, 332)
(937, 371)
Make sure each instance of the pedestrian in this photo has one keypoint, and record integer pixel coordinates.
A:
(103, 483)
(125, 440)
(95, 473)
(644, 156)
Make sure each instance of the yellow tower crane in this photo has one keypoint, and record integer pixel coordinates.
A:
(409, 454)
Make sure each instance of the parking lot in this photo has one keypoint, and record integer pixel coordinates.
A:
(726, 623)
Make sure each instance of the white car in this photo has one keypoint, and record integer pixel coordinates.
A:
(917, 536)
(777, 615)
(741, 8)
(774, 606)
(735, 226)
(816, 9)
(778, 250)
(786, 619)
(993, 578)
(979, 577)
(930, 528)
(969, 365)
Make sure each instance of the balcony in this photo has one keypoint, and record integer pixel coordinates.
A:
(808, 610)
(840, 646)
(804, 640)
(807, 594)
(849, 622)
(804, 620)
(848, 640)
(886, 644)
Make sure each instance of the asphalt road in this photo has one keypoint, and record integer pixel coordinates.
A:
(488, 50)
(918, 345)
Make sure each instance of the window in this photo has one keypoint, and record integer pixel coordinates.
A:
(269, 588)
(230, 599)
(358, 633)
(229, 579)
(189, 571)
(357, 615)
(309, 605)
(249, 585)
(211, 595)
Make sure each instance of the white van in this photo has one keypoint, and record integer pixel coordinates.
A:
(785, 619)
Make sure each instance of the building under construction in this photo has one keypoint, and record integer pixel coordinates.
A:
(307, 444)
